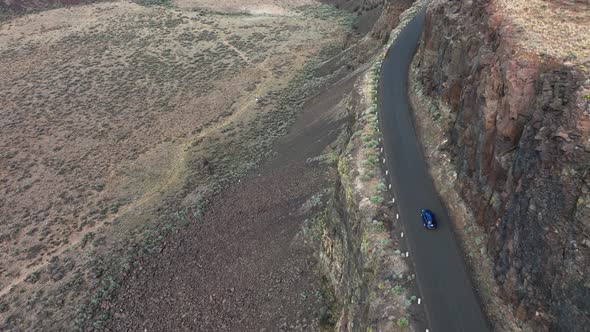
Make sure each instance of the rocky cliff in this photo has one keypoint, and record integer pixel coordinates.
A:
(354, 237)
(519, 140)
(375, 18)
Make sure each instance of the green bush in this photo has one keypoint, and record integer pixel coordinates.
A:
(403, 322)
(372, 159)
(377, 199)
(366, 177)
(330, 158)
(367, 138)
(372, 144)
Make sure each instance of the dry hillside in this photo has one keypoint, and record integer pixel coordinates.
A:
(118, 120)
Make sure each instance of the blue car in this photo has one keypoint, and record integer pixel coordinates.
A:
(428, 219)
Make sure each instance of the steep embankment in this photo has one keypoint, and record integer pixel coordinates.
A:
(518, 129)
(357, 236)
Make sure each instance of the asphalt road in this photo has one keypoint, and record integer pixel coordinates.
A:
(443, 280)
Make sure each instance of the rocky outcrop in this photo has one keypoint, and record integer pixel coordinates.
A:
(519, 140)
(375, 18)
(389, 19)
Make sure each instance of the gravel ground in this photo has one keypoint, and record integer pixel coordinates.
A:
(244, 268)
(241, 268)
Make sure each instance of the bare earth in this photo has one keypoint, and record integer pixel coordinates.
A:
(107, 109)
(245, 268)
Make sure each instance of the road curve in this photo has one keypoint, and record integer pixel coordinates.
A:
(445, 285)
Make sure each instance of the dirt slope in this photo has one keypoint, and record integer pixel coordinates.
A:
(244, 267)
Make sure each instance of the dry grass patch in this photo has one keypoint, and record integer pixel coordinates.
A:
(556, 28)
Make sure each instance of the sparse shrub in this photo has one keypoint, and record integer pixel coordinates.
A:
(403, 323)
(330, 158)
(56, 270)
(372, 144)
(367, 138)
(87, 238)
(33, 277)
(380, 227)
(371, 160)
(315, 200)
(377, 199)
(356, 134)
(478, 240)
(406, 302)
(99, 241)
(366, 177)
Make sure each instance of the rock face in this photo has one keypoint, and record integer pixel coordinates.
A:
(375, 18)
(519, 137)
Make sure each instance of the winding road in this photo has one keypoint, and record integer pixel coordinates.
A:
(443, 280)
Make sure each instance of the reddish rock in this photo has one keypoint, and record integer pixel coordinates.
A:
(520, 133)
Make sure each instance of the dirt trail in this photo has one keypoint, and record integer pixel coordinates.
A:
(244, 267)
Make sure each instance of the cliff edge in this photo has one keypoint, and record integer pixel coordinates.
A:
(513, 77)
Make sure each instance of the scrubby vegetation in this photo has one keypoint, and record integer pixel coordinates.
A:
(126, 130)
